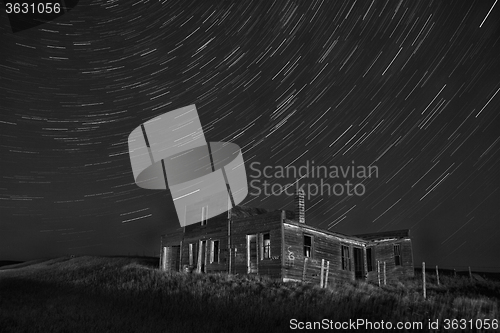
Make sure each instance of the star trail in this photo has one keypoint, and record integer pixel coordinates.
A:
(411, 87)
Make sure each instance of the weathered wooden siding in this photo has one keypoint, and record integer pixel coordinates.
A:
(215, 226)
(259, 224)
(287, 257)
(384, 252)
(215, 229)
(235, 258)
(172, 239)
(171, 260)
(222, 264)
(325, 246)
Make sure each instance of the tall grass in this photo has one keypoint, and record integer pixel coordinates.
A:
(92, 294)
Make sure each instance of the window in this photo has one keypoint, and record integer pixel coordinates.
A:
(204, 215)
(214, 254)
(308, 244)
(397, 254)
(369, 259)
(346, 257)
(265, 246)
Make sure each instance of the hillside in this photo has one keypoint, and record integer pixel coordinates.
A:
(8, 262)
(120, 294)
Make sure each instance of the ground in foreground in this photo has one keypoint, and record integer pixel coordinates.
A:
(121, 294)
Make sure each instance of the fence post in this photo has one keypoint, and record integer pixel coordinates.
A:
(437, 274)
(326, 274)
(454, 272)
(470, 273)
(385, 275)
(322, 271)
(304, 270)
(378, 272)
(423, 279)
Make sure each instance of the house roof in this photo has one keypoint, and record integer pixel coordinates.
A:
(398, 234)
(245, 211)
(328, 232)
(176, 236)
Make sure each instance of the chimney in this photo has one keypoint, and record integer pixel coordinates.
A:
(300, 209)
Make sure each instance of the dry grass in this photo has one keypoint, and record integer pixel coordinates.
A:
(92, 294)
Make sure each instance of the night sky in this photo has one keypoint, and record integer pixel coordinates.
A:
(412, 87)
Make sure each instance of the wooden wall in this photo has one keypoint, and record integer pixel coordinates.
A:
(235, 258)
(265, 223)
(287, 258)
(171, 258)
(325, 246)
(215, 229)
(384, 252)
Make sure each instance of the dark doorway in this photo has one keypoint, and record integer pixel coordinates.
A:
(176, 256)
(201, 264)
(359, 263)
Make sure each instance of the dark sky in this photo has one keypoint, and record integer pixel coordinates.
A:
(411, 87)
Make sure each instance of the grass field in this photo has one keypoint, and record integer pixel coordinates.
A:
(121, 294)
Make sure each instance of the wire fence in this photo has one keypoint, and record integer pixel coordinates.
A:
(478, 273)
(462, 269)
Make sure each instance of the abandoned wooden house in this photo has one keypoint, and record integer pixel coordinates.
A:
(279, 244)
